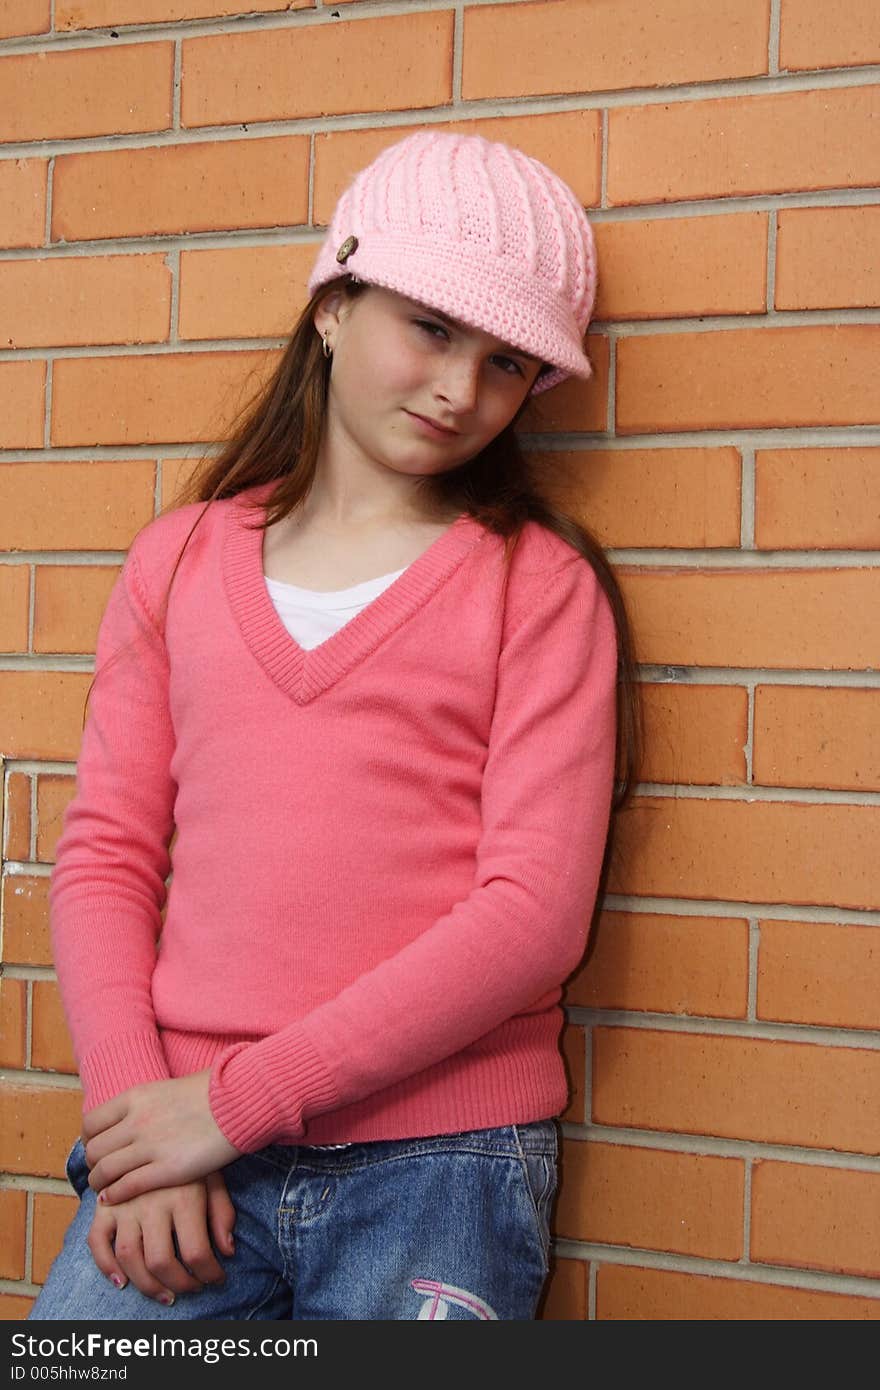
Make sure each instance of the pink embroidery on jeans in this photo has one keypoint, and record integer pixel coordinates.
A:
(439, 1296)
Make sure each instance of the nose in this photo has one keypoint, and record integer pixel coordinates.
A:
(458, 382)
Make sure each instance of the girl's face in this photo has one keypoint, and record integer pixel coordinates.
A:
(411, 388)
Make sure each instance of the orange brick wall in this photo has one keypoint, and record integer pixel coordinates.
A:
(166, 167)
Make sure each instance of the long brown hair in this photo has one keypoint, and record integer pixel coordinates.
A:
(277, 437)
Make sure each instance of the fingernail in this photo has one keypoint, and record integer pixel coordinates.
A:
(231, 1246)
(118, 1280)
(167, 1299)
(102, 1196)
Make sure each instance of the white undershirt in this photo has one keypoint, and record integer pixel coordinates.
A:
(311, 617)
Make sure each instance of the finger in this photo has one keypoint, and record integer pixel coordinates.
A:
(161, 1259)
(147, 1178)
(100, 1243)
(221, 1213)
(110, 1113)
(128, 1246)
(114, 1166)
(117, 1137)
(194, 1243)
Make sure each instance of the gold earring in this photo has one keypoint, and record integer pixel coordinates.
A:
(328, 351)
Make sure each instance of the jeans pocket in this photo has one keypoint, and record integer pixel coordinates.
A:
(540, 1173)
(77, 1169)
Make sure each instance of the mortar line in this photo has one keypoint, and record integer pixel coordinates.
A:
(773, 38)
(588, 1076)
(592, 1276)
(477, 108)
(747, 496)
(747, 1211)
(457, 53)
(754, 950)
(772, 256)
(787, 1276)
(831, 199)
(760, 1030)
(177, 84)
(749, 750)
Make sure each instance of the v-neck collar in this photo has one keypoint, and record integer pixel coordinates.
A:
(304, 674)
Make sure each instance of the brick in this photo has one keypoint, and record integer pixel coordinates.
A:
(748, 851)
(574, 404)
(68, 603)
(807, 499)
(574, 1052)
(809, 737)
(818, 1218)
(17, 823)
(89, 91)
(22, 393)
(162, 398)
(38, 1126)
(809, 617)
(51, 1048)
(100, 14)
(14, 592)
(176, 474)
(24, 17)
(568, 141)
(52, 1216)
(674, 267)
(654, 1295)
(13, 1022)
(41, 713)
(694, 733)
(807, 40)
(618, 1195)
(243, 292)
(769, 1091)
(26, 920)
(13, 1214)
(54, 794)
(23, 202)
(647, 497)
(565, 1296)
(825, 973)
(748, 378)
(85, 299)
(775, 142)
(665, 964)
(14, 1308)
(595, 45)
(828, 258)
(196, 187)
(369, 65)
(96, 505)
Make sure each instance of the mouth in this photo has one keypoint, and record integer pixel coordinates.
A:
(437, 430)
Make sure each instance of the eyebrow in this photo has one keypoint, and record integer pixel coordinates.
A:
(454, 323)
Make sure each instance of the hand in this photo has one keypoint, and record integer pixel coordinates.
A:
(159, 1134)
(143, 1231)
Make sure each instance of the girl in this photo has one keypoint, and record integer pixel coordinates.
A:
(380, 690)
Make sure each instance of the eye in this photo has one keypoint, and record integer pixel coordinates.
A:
(509, 365)
(431, 328)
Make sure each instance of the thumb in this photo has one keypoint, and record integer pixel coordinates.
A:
(221, 1213)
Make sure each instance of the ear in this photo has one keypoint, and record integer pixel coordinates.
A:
(331, 310)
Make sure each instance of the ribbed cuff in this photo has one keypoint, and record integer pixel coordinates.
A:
(123, 1061)
(259, 1092)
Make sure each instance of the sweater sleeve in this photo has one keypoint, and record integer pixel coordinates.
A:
(545, 804)
(107, 888)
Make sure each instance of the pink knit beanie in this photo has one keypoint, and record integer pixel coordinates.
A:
(478, 230)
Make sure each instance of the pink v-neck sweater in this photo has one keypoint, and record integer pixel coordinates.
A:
(387, 850)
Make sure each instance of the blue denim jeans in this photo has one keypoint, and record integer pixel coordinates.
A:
(448, 1226)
